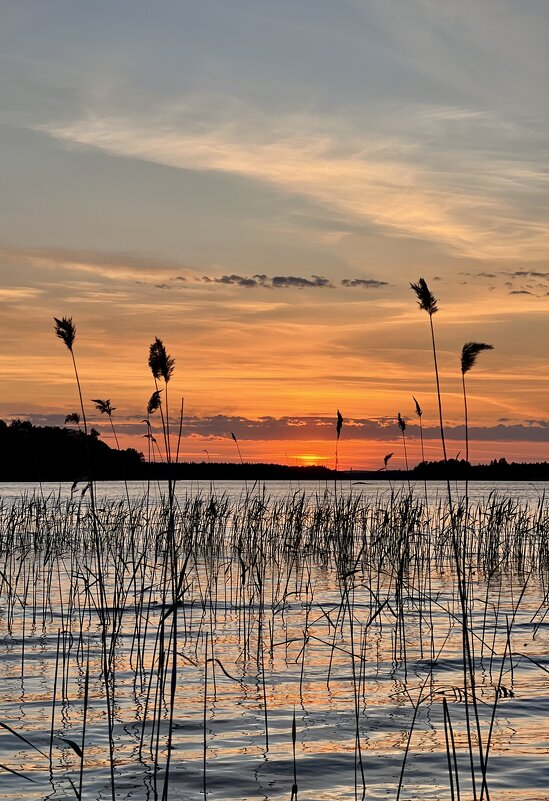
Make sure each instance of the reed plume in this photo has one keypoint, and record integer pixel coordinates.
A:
(161, 363)
(470, 352)
(425, 298)
(154, 402)
(105, 407)
(339, 424)
(237, 447)
(65, 330)
(469, 355)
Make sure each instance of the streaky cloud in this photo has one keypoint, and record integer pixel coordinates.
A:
(388, 179)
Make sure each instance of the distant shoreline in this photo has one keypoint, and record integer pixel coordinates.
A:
(228, 471)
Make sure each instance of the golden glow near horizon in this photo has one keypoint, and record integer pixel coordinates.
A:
(264, 216)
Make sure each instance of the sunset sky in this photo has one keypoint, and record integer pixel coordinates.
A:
(257, 183)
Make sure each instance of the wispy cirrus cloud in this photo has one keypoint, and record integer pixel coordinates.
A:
(383, 179)
(112, 266)
(18, 293)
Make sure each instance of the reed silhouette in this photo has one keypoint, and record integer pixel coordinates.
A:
(339, 426)
(66, 331)
(162, 366)
(402, 426)
(235, 440)
(419, 413)
(428, 303)
(469, 355)
(105, 407)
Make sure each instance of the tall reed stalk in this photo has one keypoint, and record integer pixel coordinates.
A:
(428, 303)
(162, 366)
(469, 354)
(339, 426)
(66, 331)
(419, 413)
(402, 425)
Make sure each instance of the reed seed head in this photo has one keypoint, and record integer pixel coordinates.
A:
(339, 424)
(65, 330)
(419, 410)
(425, 297)
(104, 406)
(401, 423)
(154, 402)
(469, 354)
(161, 363)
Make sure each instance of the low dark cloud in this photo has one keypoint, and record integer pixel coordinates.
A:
(290, 281)
(480, 274)
(281, 281)
(529, 274)
(233, 280)
(517, 282)
(380, 429)
(366, 283)
(274, 282)
(303, 428)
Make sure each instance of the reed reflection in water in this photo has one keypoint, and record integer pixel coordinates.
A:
(341, 609)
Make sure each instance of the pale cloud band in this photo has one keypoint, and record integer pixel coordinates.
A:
(381, 179)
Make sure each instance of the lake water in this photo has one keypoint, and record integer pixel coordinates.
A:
(339, 615)
(528, 492)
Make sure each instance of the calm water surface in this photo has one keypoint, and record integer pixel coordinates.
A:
(530, 491)
(343, 613)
